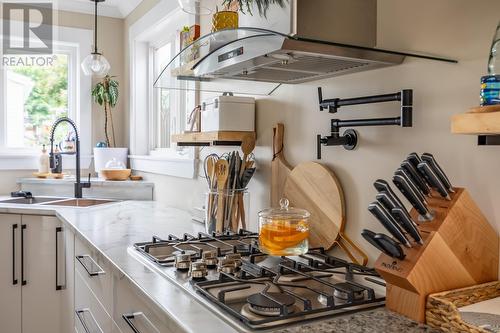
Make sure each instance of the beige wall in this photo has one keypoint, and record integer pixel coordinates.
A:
(110, 43)
(459, 29)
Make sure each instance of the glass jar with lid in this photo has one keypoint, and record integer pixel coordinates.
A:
(284, 231)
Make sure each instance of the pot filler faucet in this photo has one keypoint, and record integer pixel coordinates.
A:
(78, 185)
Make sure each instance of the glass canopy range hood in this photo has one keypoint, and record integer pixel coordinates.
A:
(227, 60)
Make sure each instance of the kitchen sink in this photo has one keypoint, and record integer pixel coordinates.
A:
(31, 201)
(79, 202)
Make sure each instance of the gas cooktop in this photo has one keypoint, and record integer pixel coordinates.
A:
(253, 290)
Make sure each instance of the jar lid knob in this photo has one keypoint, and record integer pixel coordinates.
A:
(284, 203)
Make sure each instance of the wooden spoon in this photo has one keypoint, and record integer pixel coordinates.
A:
(210, 170)
(222, 173)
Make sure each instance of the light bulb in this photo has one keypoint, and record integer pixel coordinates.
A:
(95, 64)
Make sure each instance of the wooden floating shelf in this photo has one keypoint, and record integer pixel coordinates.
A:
(221, 138)
(478, 121)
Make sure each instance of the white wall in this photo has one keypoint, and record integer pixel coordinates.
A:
(459, 29)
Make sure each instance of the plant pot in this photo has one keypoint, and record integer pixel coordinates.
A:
(104, 155)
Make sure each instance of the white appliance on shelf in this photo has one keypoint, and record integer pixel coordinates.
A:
(228, 113)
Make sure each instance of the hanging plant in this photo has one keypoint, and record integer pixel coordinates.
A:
(262, 5)
(105, 94)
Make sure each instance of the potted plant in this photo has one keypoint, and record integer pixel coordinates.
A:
(105, 93)
(246, 5)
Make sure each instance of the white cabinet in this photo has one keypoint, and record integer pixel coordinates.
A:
(135, 312)
(10, 278)
(37, 294)
(68, 277)
(42, 283)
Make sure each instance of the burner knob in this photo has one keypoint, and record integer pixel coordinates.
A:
(198, 270)
(210, 259)
(182, 261)
(236, 257)
(227, 266)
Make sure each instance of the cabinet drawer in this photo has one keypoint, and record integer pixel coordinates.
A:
(90, 315)
(135, 312)
(95, 271)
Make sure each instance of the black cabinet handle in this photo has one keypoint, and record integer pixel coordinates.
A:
(23, 280)
(14, 280)
(94, 270)
(131, 316)
(88, 327)
(59, 231)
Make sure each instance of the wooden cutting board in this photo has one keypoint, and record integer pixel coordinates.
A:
(280, 168)
(313, 187)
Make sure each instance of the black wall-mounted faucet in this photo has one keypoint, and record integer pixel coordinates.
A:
(78, 185)
(349, 139)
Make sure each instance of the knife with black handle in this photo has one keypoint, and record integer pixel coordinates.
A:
(412, 197)
(385, 199)
(428, 172)
(390, 248)
(438, 171)
(388, 221)
(381, 185)
(416, 176)
(414, 187)
(414, 159)
(370, 238)
(401, 215)
(407, 224)
(390, 245)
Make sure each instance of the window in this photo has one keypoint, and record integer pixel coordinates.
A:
(35, 93)
(156, 114)
(35, 96)
(162, 99)
(171, 108)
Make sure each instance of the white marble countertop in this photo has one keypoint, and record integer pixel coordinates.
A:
(113, 228)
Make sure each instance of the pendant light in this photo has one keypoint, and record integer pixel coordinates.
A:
(95, 63)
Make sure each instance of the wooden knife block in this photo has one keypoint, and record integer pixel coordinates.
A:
(460, 249)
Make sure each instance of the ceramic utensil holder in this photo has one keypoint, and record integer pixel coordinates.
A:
(460, 249)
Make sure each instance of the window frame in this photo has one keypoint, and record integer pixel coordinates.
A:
(76, 43)
(144, 155)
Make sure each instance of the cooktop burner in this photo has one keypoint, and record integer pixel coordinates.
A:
(260, 291)
(271, 304)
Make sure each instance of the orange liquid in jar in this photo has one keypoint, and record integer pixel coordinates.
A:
(282, 237)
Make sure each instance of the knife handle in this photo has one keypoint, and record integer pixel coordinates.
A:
(438, 171)
(416, 177)
(408, 179)
(390, 245)
(385, 199)
(407, 224)
(381, 185)
(389, 223)
(410, 195)
(427, 171)
(370, 238)
(414, 159)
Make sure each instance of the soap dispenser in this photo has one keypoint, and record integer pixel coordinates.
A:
(43, 163)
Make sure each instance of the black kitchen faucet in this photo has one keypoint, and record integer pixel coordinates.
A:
(78, 185)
